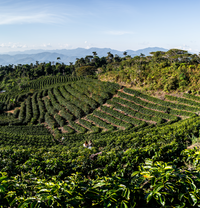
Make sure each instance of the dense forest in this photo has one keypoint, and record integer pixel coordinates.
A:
(144, 148)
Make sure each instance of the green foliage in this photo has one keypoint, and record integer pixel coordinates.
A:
(77, 127)
(100, 122)
(112, 119)
(85, 70)
(145, 165)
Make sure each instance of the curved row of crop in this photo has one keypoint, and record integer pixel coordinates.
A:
(50, 121)
(77, 112)
(49, 81)
(25, 130)
(80, 104)
(89, 125)
(77, 127)
(81, 96)
(115, 103)
(183, 100)
(161, 102)
(35, 109)
(100, 123)
(111, 119)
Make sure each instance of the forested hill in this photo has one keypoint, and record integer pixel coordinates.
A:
(171, 70)
(66, 55)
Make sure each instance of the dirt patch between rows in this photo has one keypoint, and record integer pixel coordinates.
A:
(194, 145)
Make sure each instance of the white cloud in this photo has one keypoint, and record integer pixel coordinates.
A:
(32, 18)
(20, 12)
(12, 45)
(46, 45)
(89, 45)
(185, 47)
(65, 46)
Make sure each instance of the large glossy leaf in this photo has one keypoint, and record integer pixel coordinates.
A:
(193, 199)
(161, 199)
(149, 196)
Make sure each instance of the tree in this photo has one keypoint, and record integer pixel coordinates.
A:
(94, 53)
(125, 53)
(80, 62)
(58, 58)
(85, 70)
(116, 58)
(109, 57)
(88, 59)
(48, 68)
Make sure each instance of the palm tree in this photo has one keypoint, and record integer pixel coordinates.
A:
(58, 58)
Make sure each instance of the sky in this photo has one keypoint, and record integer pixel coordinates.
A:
(116, 24)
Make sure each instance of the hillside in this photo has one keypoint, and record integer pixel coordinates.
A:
(145, 135)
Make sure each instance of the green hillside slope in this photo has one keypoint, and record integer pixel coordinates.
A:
(145, 150)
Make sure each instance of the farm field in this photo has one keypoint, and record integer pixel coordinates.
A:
(144, 152)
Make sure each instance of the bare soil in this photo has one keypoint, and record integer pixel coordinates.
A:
(12, 111)
(194, 145)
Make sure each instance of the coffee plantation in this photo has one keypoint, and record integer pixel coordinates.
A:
(145, 149)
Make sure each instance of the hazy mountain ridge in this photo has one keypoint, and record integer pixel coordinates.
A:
(66, 55)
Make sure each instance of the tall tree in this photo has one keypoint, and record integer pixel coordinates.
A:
(94, 53)
(125, 53)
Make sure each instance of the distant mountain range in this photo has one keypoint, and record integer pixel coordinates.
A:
(66, 55)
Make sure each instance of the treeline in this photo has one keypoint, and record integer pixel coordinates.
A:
(13, 76)
(171, 70)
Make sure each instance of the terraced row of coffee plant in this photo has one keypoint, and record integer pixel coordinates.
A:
(92, 106)
(9, 98)
(49, 81)
(62, 106)
(144, 167)
(139, 157)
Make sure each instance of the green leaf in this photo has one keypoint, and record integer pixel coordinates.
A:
(3, 178)
(192, 183)
(125, 205)
(168, 167)
(34, 205)
(49, 202)
(181, 196)
(127, 193)
(158, 187)
(193, 198)
(99, 184)
(153, 180)
(149, 196)
(44, 190)
(161, 199)
(134, 173)
(149, 162)
(23, 205)
(2, 188)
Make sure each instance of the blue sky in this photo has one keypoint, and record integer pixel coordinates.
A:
(121, 25)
